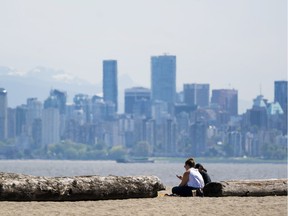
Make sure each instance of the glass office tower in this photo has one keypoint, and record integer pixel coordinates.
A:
(196, 94)
(280, 94)
(163, 79)
(110, 87)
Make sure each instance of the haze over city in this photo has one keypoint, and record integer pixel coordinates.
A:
(240, 44)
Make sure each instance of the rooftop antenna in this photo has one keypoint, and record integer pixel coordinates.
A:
(260, 89)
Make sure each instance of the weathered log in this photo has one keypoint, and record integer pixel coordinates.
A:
(269, 187)
(19, 187)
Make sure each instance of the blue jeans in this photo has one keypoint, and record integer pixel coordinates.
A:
(184, 191)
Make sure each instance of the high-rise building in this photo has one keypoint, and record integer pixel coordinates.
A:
(226, 99)
(196, 94)
(110, 86)
(258, 115)
(138, 101)
(235, 142)
(198, 135)
(3, 114)
(50, 126)
(34, 110)
(280, 94)
(163, 78)
(57, 99)
(11, 123)
(21, 120)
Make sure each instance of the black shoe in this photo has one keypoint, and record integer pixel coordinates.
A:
(199, 192)
(175, 195)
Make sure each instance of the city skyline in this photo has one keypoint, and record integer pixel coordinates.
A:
(226, 44)
(148, 127)
(204, 131)
(243, 106)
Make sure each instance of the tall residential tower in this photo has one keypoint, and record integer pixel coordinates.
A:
(110, 87)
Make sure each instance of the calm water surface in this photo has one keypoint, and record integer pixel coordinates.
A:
(166, 171)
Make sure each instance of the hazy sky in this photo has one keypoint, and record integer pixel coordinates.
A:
(239, 44)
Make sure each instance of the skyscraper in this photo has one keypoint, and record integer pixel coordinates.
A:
(196, 94)
(110, 87)
(226, 99)
(163, 78)
(57, 99)
(50, 126)
(280, 94)
(3, 114)
(34, 110)
(137, 101)
(198, 135)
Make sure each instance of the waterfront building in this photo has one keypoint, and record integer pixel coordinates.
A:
(151, 135)
(164, 138)
(235, 143)
(126, 130)
(170, 130)
(50, 126)
(198, 135)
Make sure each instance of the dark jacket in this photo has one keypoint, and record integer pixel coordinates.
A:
(206, 177)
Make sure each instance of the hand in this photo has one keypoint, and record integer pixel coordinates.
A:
(180, 177)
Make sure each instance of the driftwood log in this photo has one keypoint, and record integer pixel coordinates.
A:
(19, 187)
(270, 187)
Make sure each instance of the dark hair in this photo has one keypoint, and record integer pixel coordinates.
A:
(198, 165)
(190, 162)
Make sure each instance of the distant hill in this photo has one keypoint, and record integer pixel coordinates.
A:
(40, 80)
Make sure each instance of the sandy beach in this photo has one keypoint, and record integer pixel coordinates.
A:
(161, 205)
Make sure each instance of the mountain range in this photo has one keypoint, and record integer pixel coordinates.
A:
(37, 83)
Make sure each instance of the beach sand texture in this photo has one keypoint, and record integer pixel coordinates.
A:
(161, 205)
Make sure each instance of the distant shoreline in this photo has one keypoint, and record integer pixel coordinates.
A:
(172, 160)
(221, 160)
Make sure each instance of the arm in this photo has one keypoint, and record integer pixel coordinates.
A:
(184, 179)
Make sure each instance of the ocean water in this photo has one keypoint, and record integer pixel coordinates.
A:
(166, 171)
